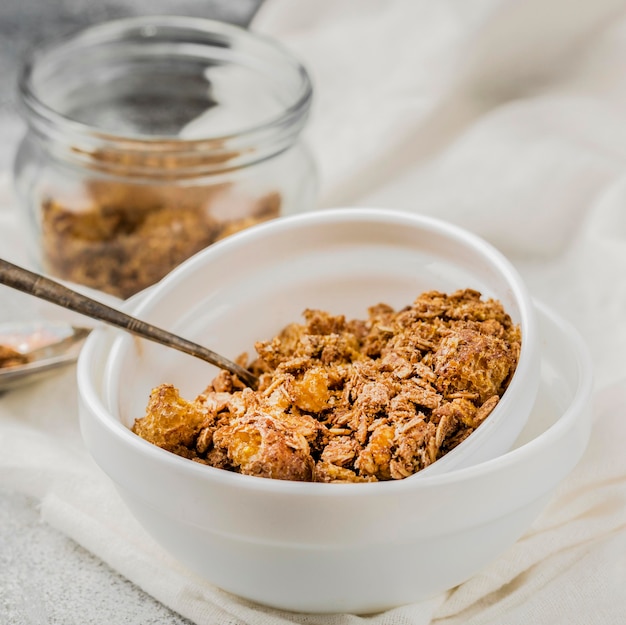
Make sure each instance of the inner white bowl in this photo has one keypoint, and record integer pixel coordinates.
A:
(250, 286)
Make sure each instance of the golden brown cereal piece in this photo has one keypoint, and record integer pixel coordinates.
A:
(328, 472)
(415, 447)
(361, 400)
(468, 360)
(341, 450)
(375, 459)
(311, 392)
(263, 446)
(171, 422)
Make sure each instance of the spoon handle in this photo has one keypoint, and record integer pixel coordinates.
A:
(51, 291)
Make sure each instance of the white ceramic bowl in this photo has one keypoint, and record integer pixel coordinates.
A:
(307, 546)
(250, 286)
(312, 547)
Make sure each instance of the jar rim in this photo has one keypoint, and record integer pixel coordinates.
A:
(51, 122)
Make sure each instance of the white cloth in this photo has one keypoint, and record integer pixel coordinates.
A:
(507, 117)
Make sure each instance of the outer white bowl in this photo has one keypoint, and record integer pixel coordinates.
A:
(346, 547)
(312, 547)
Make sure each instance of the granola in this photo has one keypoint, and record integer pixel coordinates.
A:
(141, 211)
(10, 357)
(349, 400)
(128, 236)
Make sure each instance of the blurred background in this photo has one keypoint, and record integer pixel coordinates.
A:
(28, 23)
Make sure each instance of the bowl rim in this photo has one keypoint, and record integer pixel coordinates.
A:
(98, 409)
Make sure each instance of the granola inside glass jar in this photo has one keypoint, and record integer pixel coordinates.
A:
(151, 138)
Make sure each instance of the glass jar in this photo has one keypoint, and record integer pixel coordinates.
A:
(150, 138)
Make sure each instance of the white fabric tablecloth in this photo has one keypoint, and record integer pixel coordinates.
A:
(508, 118)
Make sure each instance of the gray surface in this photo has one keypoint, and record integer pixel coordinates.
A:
(45, 578)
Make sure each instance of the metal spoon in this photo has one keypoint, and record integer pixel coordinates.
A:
(51, 291)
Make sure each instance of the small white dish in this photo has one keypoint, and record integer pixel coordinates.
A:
(47, 345)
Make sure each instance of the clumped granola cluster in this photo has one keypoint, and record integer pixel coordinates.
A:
(349, 401)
